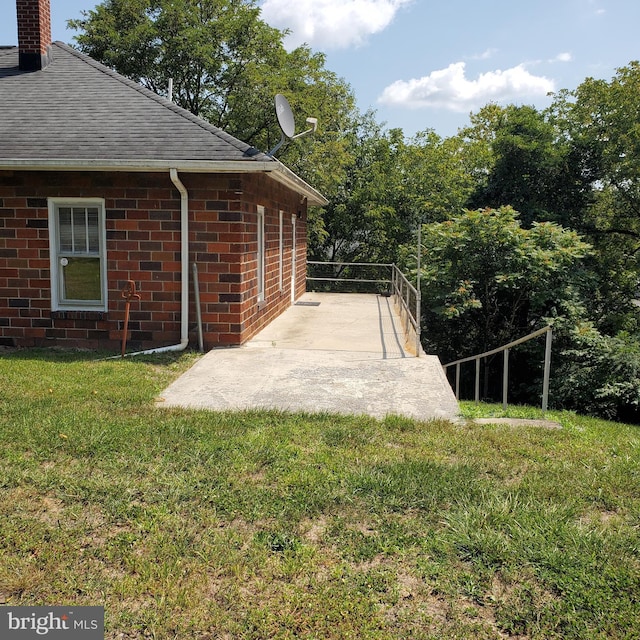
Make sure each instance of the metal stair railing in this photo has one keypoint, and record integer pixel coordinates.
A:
(407, 298)
(505, 372)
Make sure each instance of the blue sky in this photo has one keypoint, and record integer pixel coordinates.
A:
(426, 64)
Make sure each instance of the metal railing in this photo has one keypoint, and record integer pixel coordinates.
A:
(406, 296)
(346, 272)
(407, 299)
(505, 371)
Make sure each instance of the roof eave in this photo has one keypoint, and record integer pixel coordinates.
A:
(278, 171)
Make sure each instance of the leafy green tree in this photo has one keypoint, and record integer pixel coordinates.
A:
(600, 121)
(527, 164)
(438, 176)
(226, 64)
(597, 374)
(390, 184)
(486, 280)
(362, 222)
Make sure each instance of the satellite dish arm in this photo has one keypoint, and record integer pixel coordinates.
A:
(282, 139)
(314, 127)
(287, 123)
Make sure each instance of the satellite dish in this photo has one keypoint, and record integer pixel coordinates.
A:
(285, 116)
(288, 123)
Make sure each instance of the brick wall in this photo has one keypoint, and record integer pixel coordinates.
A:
(34, 25)
(143, 245)
(34, 34)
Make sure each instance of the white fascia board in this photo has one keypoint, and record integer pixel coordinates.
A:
(278, 170)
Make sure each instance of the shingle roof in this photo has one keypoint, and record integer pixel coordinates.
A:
(76, 110)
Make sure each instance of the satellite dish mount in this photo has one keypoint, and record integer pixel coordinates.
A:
(288, 124)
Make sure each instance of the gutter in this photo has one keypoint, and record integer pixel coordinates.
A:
(278, 171)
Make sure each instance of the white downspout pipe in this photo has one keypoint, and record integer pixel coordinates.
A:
(184, 251)
(184, 267)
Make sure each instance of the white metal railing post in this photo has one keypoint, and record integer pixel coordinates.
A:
(505, 379)
(418, 291)
(505, 349)
(458, 381)
(406, 300)
(547, 369)
(418, 324)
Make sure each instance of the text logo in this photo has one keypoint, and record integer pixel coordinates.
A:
(52, 623)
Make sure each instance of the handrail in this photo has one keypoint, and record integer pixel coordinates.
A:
(402, 290)
(505, 373)
(350, 264)
(515, 343)
(353, 264)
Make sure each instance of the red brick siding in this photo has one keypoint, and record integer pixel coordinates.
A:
(144, 245)
(34, 25)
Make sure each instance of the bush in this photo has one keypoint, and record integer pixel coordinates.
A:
(598, 374)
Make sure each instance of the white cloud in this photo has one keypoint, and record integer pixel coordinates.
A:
(598, 10)
(562, 57)
(450, 89)
(330, 24)
(485, 55)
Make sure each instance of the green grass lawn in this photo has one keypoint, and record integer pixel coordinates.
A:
(192, 524)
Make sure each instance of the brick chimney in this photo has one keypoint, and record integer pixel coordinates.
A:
(34, 34)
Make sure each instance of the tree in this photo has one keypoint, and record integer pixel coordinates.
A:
(486, 280)
(600, 121)
(596, 373)
(527, 164)
(226, 65)
(438, 176)
(390, 185)
(361, 221)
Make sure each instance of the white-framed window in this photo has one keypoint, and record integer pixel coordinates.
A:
(77, 243)
(261, 253)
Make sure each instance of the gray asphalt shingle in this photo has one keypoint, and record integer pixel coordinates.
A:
(78, 109)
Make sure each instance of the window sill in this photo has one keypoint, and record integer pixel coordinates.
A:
(79, 315)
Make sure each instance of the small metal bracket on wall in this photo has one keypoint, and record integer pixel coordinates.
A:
(129, 294)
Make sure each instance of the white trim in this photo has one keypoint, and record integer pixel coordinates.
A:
(293, 257)
(280, 249)
(96, 164)
(54, 262)
(278, 171)
(260, 255)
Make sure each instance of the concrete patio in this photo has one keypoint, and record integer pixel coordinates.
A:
(336, 353)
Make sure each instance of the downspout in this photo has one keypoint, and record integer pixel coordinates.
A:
(184, 238)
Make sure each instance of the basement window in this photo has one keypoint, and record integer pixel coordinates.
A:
(77, 254)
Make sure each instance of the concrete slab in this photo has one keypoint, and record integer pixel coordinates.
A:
(338, 322)
(336, 353)
(519, 422)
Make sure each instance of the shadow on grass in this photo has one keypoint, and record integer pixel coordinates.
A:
(64, 354)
